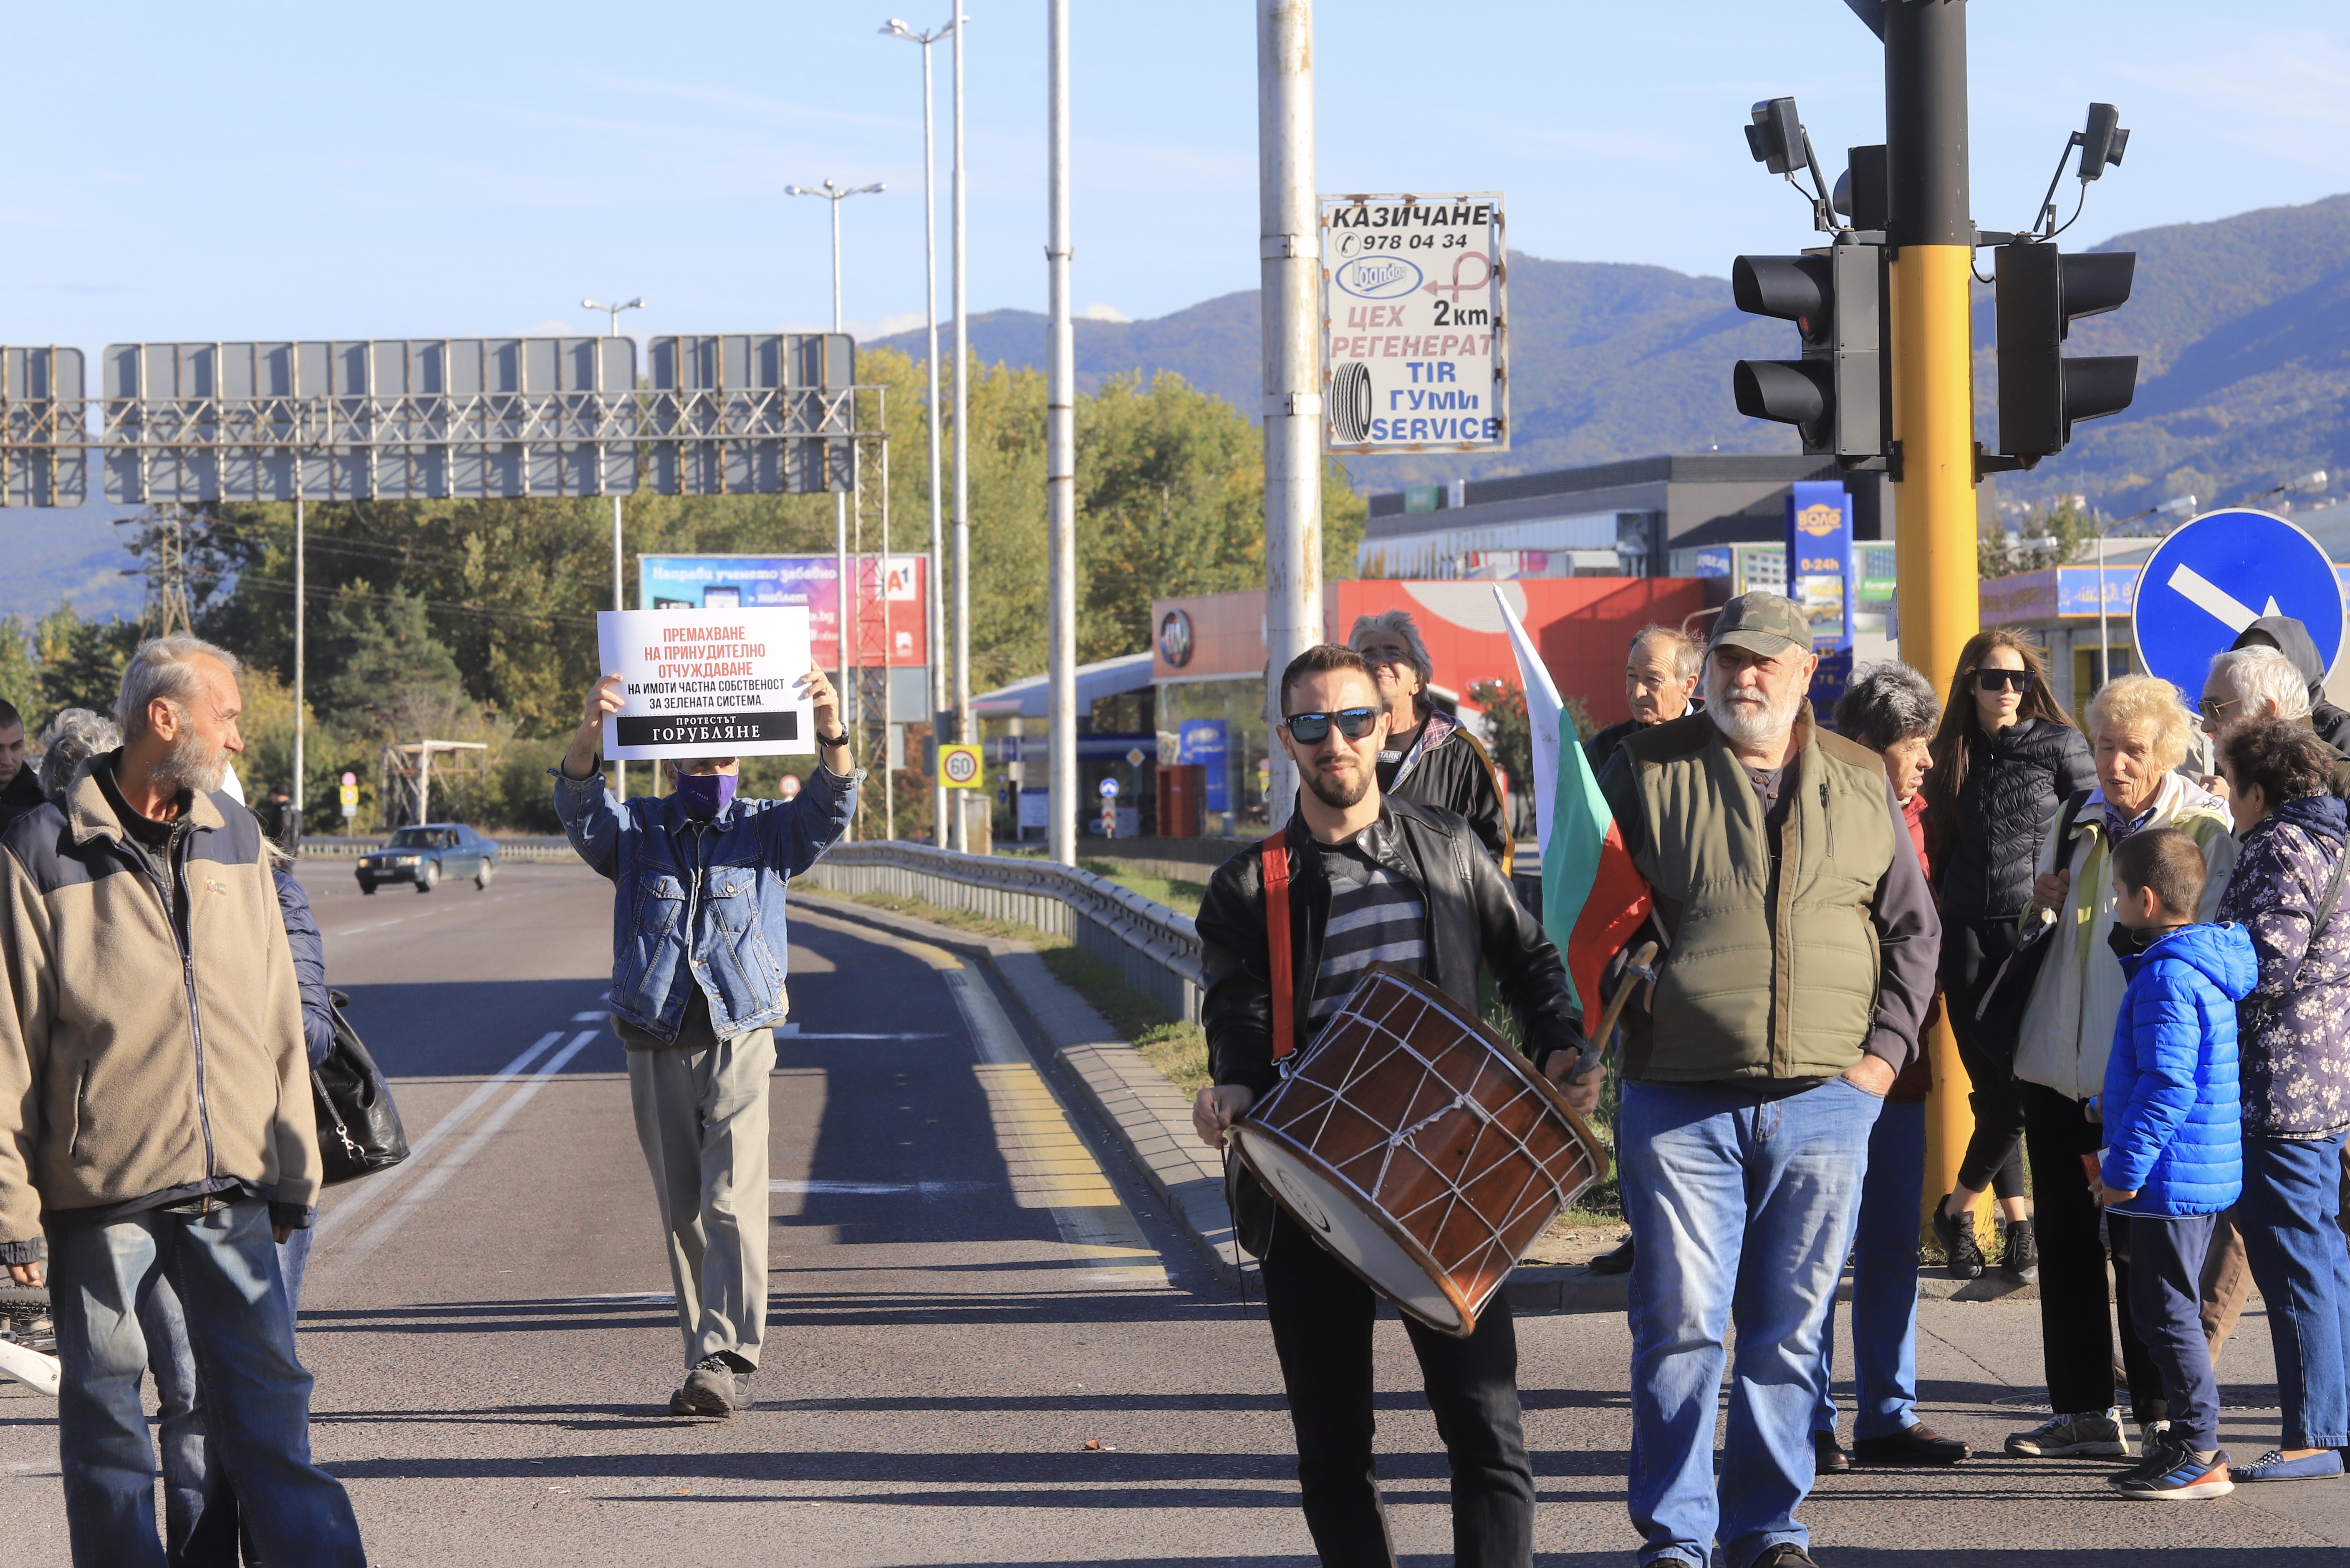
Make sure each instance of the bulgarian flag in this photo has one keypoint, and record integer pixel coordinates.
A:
(1593, 899)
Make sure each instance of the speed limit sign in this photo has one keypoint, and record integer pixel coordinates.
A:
(959, 767)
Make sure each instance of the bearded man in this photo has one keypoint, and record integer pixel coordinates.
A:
(1799, 950)
(155, 1113)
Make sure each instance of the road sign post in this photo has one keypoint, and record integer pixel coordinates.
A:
(2205, 584)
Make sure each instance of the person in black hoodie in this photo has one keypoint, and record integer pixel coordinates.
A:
(2292, 639)
(20, 784)
(2006, 758)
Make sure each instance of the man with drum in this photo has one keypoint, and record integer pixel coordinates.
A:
(1800, 945)
(1374, 879)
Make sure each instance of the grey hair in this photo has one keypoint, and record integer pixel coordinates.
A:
(164, 667)
(1887, 703)
(1689, 656)
(1406, 628)
(2263, 674)
(75, 736)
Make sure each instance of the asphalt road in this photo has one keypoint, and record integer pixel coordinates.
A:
(969, 1287)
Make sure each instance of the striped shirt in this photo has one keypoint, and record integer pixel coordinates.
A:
(1376, 916)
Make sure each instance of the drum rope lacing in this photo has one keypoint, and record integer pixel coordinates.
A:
(1460, 1102)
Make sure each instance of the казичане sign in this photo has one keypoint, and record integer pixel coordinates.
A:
(1414, 345)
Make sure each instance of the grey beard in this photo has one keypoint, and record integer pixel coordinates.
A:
(1751, 724)
(190, 764)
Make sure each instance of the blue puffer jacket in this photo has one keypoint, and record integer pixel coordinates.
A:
(2174, 1125)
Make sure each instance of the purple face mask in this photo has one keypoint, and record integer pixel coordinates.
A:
(704, 796)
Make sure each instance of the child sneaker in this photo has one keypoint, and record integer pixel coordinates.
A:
(2186, 1479)
(2062, 1436)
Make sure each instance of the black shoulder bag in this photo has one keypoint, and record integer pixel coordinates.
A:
(359, 1127)
(1999, 1016)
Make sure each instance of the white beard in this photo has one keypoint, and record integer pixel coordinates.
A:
(192, 765)
(1749, 721)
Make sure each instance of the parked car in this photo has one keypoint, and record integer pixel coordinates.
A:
(427, 854)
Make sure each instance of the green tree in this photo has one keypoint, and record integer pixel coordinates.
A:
(82, 661)
(391, 678)
(2057, 534)
(20, 673)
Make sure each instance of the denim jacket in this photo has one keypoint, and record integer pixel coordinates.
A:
(711, 899)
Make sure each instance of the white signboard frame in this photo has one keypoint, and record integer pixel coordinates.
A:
(1415, 336)
(707, 683)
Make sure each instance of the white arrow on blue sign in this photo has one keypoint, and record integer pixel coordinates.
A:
(2211, 579)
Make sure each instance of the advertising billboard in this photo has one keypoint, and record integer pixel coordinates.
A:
(776, 582)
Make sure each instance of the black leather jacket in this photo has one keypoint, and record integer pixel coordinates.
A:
(1986, 845)
(1472, 918)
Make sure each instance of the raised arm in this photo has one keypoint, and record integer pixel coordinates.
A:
(592, 819)
(804, 828)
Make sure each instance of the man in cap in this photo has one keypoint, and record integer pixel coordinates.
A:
(1799, 947)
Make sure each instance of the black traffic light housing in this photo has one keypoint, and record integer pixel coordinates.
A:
(2040, 293)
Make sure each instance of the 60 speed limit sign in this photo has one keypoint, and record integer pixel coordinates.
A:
(959, 767)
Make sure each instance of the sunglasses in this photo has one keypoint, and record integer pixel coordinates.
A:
(1312, 729)
(2212, 707)
(2003, 680)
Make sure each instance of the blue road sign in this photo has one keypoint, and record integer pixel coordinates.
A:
(2216, 575)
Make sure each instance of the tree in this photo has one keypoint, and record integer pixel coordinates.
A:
(82, 661)
(392, 679)
(2057, 534)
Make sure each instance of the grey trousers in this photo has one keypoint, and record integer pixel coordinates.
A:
(701, 1116)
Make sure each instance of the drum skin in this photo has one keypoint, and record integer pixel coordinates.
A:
(1420, 1148)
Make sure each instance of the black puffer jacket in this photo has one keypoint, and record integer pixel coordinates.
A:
(1474, 919)
(1987, 845)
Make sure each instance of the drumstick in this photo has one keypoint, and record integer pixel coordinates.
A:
(1634, 973)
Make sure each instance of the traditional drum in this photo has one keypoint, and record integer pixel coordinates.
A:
(1419, 1146)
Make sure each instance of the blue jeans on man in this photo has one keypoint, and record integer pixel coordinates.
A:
(223, 1266)
(2286, 1217)
(1741, 1210)
(1884, 1284)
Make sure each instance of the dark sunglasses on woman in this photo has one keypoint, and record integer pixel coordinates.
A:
(2003, 680)
(1311, 729)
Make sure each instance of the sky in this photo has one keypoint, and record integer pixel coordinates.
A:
(239, 171)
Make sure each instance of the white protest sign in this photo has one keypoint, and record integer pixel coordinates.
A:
(1414, 345)
(707, 682)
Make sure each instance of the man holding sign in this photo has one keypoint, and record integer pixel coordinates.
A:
(698, 956)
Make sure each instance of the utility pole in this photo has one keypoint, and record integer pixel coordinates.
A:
(1290, 249)
(1933, 239)
(620, 602)
(935, 628)
(1061, 461)
(964, 729)
(301, 652)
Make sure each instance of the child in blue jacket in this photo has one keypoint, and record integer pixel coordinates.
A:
(2173, 1156)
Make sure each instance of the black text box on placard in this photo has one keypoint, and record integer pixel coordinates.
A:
(706, 729)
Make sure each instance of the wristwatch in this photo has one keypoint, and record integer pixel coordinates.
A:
(839, 739)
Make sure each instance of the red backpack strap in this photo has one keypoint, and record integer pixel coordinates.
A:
(1276, 931)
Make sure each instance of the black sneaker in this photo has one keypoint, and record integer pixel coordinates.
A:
(2021, 1263)
(1957, 1239)
(1619, 1262)
(1920, 1445)
(1829, 1458)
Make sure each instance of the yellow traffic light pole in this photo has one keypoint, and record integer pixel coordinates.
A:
(1931, 237)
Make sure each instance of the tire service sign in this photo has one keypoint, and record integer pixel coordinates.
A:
(707, 683)
(1414, 341)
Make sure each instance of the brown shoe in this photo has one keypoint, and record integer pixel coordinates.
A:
(1920, 1445)
(1829, 1460)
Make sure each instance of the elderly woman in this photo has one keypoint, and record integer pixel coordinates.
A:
(2295, 1076)
(2140, 730)
(1890, 709)
(1428, 757)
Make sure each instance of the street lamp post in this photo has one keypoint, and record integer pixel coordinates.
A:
(964, 730)
(844, 591)
(935, 630)
(619, 769)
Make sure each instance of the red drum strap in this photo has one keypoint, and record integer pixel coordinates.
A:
(1276, 930)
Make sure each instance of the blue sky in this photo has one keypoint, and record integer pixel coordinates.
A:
(239, 170)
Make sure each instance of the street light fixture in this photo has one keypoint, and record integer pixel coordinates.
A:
(619, 769)
(936, 628)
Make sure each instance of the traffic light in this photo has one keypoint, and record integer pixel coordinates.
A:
(2040, 293)
(1838, 395)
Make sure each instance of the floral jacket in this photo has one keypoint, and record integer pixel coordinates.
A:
(2295, 1025)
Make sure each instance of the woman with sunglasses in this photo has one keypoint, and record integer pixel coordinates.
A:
(2005, 759)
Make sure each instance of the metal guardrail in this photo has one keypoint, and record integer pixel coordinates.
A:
(1154, 949)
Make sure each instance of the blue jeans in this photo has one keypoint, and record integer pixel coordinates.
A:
(1884, 1284)
(199, 1510)
(2287, 1219)
(223, 1267)
(2166, 1276)
(1741, 1210)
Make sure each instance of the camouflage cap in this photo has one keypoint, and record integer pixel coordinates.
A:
(1767, 624)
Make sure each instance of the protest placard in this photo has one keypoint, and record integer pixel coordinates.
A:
(707, 683)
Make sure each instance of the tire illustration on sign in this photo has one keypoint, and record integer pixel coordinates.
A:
(1350, 403)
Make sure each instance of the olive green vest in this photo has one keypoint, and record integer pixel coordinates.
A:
(1758, 983)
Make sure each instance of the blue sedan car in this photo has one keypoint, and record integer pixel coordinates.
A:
(427, 854)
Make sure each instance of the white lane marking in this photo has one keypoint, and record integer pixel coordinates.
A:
(2216, 601)
(992, 1034)
(796, 1034)
(588, 1018)
(877, 1188)
(399, 1175)
(376, 1234)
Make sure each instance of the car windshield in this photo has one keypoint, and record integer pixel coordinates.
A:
(416, 839)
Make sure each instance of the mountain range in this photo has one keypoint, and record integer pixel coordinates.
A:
(2241, 327)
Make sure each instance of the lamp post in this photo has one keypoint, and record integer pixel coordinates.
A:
(619, 769)
(935, 628)
(1061, 458)
(844, 591)
(964, 727)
